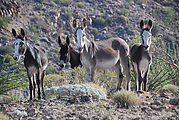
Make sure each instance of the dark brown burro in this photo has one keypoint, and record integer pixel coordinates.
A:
(68, 55)
(35, 62)
(141, 57)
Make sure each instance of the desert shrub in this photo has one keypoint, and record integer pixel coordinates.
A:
(8, 59)
(34, 29)
(99, 22)
(160, 75)
(11, 76)
(38, 7)
(4, 117)
(94, 31)
(123, 11)
(108, 79)
(101, 108)
(122, 19)
(156, 30)
(170, 87)
(77, 89)
(4, 21)
(109, 35)
(63, 2)
(168, 15)
(51, 70)
(76, 76)
(68, 15)
(163, 69)
(126, 98)
(72, 76)
(6, 50)
(80, 4)
(40, 1)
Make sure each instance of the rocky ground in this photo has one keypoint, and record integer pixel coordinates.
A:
(163, 105)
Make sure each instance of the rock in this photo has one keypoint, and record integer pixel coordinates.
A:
(83, 117)
(86, 98)
(137, 118)
(146, 108)
(156, 102)
(156, 108)
(174, 101)
(31, 112)
(78, 90)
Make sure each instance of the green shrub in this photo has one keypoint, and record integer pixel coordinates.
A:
(99, 22)
(123, 11)
(122, 19)
(171, 88)
(6, 50)
(34, 28)
(51, 70)
(126, 98)
(168, 15)
(156, 30)
(11, 76)
(160, 75)
(108, 79)
(4, 21)
(63, 2)
(68, 15)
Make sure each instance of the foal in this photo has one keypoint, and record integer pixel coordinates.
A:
(68, 54)
(141, 57)
(35, 62)
(104, 54)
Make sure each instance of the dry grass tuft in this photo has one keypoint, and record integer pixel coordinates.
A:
(126, 98)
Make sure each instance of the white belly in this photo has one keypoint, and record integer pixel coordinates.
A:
(143, 66)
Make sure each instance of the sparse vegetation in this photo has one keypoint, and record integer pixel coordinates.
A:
(99, 22)
(34, 28)
(4, 117)
(4, 21)
(171, 88)
(11, 76)
(168, 15)
(126, 98)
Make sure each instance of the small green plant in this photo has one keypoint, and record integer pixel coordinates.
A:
(126, 98)
(63, 2)
(4, 21)
(34, 29)
(123, 11)
(168, 15)
(171, 88)
(122, 19)
(4, 117)
(100, 107)
(99, 22)
(51, 70)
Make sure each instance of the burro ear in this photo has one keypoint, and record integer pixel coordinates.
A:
(84, 23)
(22, 32)
(74, 23)
(59, 40)
(150, 25)
(14, 32)
(67, 40)
(141, 24)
